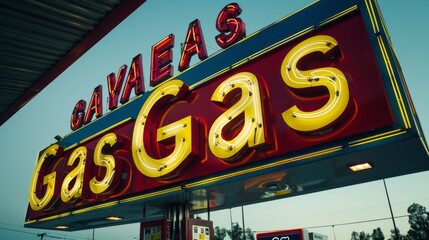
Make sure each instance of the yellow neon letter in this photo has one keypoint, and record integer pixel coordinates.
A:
(77, 173)
(181, 130)
(104, 160)
(330, 78)
(48, 180)
(252, 134)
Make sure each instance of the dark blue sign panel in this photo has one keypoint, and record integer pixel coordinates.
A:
(294, 234)
(283, 237)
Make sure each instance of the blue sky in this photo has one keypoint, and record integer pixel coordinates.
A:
(48, 114)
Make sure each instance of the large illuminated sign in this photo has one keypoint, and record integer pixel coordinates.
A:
(323, 94)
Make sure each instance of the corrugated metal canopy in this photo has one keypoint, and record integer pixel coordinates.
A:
(39, 39)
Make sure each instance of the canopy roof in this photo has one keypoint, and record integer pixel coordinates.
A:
(40, 39)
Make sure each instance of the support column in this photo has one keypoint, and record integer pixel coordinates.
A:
(177, 213)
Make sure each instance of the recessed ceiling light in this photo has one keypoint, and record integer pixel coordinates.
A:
(114, 218)
(62, 227)
(360, 167)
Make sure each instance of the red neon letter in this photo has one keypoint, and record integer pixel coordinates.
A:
(232, 29)
(162, 56)
(95, 105)
(194, 44)
(77, 116)
(114, 86)
(134, 79)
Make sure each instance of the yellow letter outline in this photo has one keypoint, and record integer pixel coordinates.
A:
(104, 160)
(330, 78)
(48, 180)
(252, 134)
(181, 130)
(68, 195)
